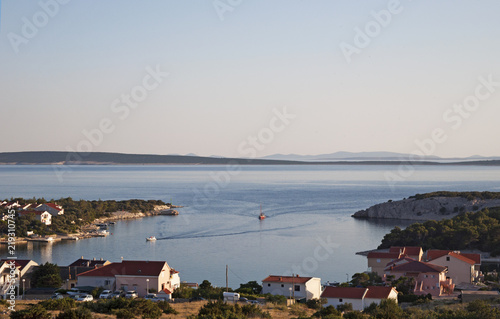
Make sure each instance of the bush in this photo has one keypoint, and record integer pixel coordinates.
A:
(276, 299)
(329, 311)
(33, 312)
(124, 314)
(80, 313)
(167, 308)
(58, 304)
(315, 303)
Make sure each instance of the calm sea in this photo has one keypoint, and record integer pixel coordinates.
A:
(308, 230)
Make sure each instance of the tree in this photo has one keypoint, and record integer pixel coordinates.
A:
(46, 275)
(251, 288)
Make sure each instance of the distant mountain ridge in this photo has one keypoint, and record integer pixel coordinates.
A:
(369, 156)
(102, 158)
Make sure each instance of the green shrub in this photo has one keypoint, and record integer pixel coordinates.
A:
(33, 312)
(80, 313)
(58, 304)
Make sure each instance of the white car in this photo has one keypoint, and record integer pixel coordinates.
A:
(85, 297)
(132, 294)
(105, 294)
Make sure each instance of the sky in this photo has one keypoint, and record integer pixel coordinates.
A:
(242, 78)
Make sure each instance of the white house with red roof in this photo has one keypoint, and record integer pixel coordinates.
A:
(460, 268)
(295, 286)
(360, 298)
(42, 216)
(53, 209)
(132, 275)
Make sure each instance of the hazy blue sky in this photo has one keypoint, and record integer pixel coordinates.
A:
(233, 64)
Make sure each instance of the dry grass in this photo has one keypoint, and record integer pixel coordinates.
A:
(186, 309)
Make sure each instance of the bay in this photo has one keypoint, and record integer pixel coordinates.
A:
(309, 229)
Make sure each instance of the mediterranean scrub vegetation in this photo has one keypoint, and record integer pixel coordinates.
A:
(479, 230)
(466, 195)
(77, 213)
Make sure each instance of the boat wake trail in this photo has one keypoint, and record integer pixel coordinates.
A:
(201, 235)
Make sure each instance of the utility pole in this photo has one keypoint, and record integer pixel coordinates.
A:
(227, 281)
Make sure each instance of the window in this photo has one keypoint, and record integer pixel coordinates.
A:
(297, 288)
(107, 282)
(282, 285)
(425, 276)
(340, 300)
(269, 285)
(378, 260)
(448, 258)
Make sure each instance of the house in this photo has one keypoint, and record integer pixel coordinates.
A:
(12, 205)
(26, 206)
(429, 278)
(292, 286)
(81, 265)
(378, 260)
(42, 216)
(140, 276)
(360, 298)
(53, 209)
(433, 254)
(460, 268)
(22, 269)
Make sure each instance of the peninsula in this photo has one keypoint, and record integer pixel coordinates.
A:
(432, 206)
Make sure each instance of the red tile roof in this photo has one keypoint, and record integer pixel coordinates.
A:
(343, 292)
(288, 279)
(36, 212)
(128, 268)
(377, 254)
(418, 266)
(378, 292)
(168, 292)
(51, 205)
(400, 260)
(19, 262)
(462, 258)
(436, 253)
(475, 257)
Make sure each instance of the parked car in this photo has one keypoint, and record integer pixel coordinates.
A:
(152, 297)
(105, 294)
(117, 294)
(73, 291)
(243, 299)
(85, 297)
(131, 294)
(57, 296)
(254, 302)
(196, 299)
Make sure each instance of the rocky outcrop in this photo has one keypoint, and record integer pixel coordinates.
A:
(435, 208)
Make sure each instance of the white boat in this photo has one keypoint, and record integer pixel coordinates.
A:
(151, 238)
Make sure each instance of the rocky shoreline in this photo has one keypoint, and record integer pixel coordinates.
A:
(432, 208)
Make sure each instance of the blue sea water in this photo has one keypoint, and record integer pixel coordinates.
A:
(309, 229)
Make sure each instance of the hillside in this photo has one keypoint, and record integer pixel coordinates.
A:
(432, 206)
(100, 158)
